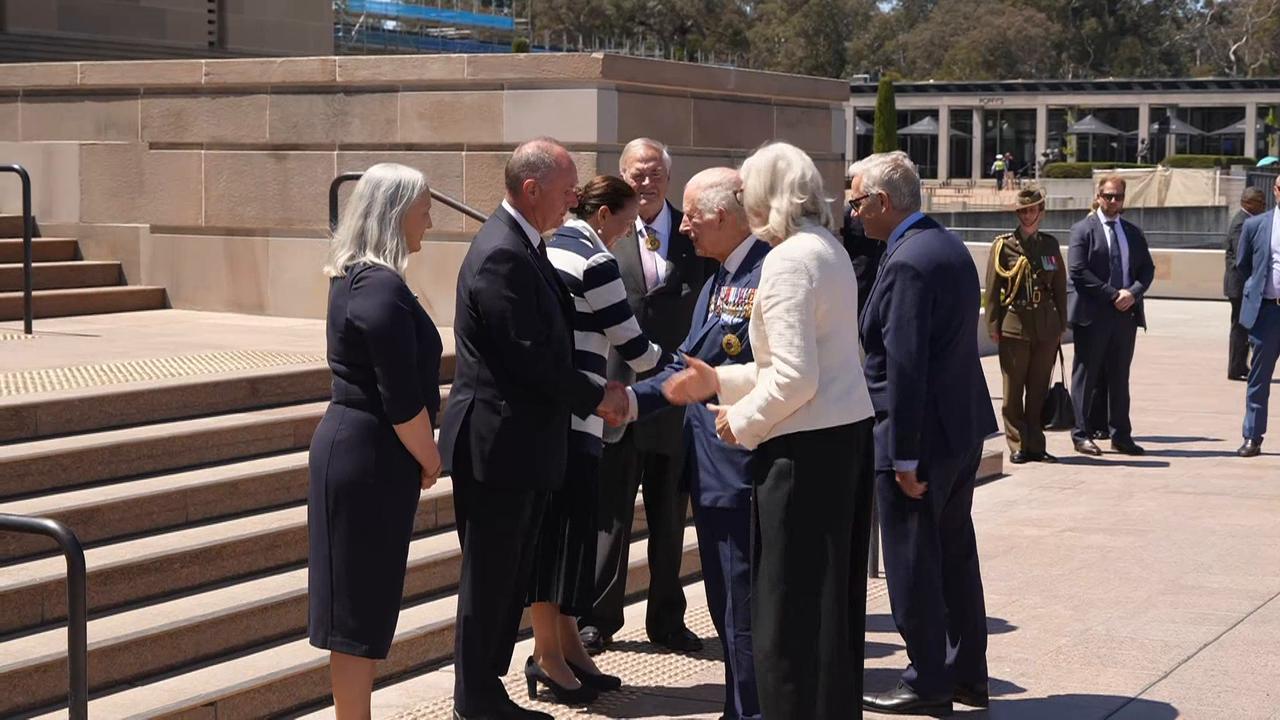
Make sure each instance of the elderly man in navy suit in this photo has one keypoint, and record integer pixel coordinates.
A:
(718, 475)
(1111, 269)
(932, 413)
(1258, 260)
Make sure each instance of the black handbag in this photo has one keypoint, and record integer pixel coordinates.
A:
(1058, 412)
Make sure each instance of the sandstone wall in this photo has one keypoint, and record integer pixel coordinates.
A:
(211, 177)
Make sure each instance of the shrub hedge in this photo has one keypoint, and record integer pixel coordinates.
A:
(1085, 170)
(1208, 161)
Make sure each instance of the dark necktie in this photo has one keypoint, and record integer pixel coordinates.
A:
(713, 302)
(1117, 262)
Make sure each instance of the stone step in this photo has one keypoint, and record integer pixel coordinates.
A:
(62, 275)
(161, 502)
(33, 594)
(28, 417)
(42, 250)
(84, 301)
(48, 465)
(292, 675)
(11, 225)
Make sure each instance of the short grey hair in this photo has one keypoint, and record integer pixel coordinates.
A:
(781, 183)
(535, 160)
(1253, 194)
(643, 143)
(893, 174)
(714, 189)
(372, 225)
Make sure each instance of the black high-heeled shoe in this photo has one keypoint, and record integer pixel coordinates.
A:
(599, 681)
(534, 674)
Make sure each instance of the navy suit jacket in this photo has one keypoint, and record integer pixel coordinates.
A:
(920, 336)
(1253, 260)
(1089, 267)
(515, 385)
(718, 474)
(662, 313)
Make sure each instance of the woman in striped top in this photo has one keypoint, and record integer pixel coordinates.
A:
(563, 585)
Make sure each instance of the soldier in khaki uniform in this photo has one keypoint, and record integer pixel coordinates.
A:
(1026, 313)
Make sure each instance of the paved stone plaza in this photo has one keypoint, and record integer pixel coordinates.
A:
(1134, 589)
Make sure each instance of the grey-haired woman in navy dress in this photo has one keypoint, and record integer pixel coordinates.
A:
(374, 450)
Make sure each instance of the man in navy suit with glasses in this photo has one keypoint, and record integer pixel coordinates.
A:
(1110, 266)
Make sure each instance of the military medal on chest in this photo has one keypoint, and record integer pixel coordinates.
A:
(651, 241)
(733, 303)
(731, 344)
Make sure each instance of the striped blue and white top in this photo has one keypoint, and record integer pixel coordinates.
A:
(603, 319)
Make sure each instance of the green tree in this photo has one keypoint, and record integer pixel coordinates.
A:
(885, 138)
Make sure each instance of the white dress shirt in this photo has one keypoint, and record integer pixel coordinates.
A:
(662, 227)
(1124, 244)
(804, 337)
(534, 236)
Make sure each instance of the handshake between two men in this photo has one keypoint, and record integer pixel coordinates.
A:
(696, 382)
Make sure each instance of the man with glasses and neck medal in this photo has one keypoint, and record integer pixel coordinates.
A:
(1258, 260)
(1110, 266)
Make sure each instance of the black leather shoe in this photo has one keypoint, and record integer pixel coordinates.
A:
(1250, 448)
(1100, 435)
(902, 700)
(1127, 447)
(1088, 447)
(1045, 457)
(1238, 378)
(976, 695)
(534, 674)
(1020, 457)
(680, 640)
(593, 640)
(599, 681)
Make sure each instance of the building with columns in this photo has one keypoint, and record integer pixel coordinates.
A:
(953, 130)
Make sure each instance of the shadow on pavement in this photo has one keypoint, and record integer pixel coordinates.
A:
(1172, 439)
(648, 701)
(1108, 462)
(883, 622)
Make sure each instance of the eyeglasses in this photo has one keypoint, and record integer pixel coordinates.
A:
(856, 203)
(1111, 196)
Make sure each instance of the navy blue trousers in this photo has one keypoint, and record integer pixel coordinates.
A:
(1264, 337)
(931, 567)
(724, 544)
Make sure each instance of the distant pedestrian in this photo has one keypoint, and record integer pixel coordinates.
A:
(997, 171)
(1258, 259)
(1252, 202)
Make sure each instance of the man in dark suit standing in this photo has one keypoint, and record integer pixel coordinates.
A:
(662, 275)
(719, 476)
(504, 433)
(932, 413)
(1252, 202)
(863, 251)
(1258, 259)
(1110, 266)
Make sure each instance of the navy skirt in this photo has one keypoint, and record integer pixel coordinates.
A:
(360, 511)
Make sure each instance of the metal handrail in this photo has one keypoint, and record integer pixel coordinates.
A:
(436, 195)
(27, 229)
(77, 604)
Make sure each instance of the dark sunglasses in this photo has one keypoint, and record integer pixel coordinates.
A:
(1111, 196)
(855, 203)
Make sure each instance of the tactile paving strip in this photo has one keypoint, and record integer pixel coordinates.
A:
(129, 371)
(15, 336)
(639, 663)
